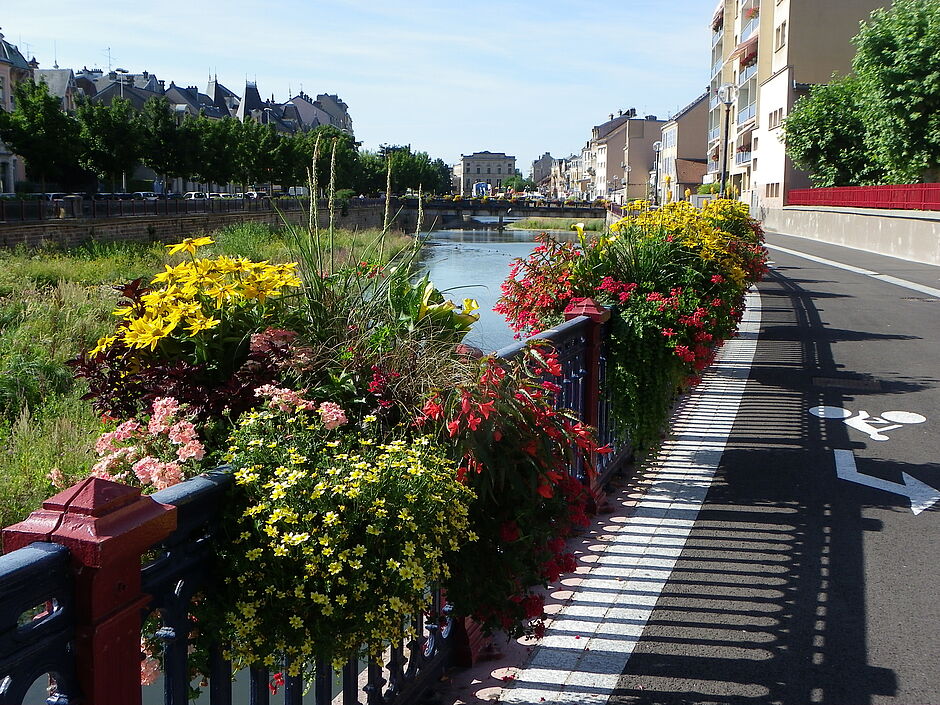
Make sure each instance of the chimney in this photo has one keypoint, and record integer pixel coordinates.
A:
(611, 116)
(619, 113)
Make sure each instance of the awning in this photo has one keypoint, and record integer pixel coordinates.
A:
(744, 48)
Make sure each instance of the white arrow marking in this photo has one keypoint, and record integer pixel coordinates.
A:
(921, 495)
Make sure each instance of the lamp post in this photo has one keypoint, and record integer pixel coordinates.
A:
(657, 149)
(121, 73)
(727, 94)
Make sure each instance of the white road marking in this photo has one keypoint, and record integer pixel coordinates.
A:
(921, 495)
(588, 643)
(872, 426)
(887, 278)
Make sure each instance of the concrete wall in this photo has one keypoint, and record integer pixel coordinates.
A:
(912, 235)
(69, 233)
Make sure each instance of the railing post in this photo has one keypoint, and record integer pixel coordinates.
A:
(107, 527)
(599, 315)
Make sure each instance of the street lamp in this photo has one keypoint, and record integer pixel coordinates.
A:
(657, 148)
(122, 73)
(727, 94)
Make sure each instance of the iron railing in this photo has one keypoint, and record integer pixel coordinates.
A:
(924, 197)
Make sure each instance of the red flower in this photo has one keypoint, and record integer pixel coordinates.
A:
(473, 422)
(432, 409)
(508, 532)
(486, 409)
(453, 427)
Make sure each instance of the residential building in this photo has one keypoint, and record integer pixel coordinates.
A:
(13, 68)
(337, 110)
(489, 168)
(771, 51)
(60, 83)
(681, 163)
(542, 172)
(639, 157)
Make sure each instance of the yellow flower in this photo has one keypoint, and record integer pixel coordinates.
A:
(189, 245)
(103, 344)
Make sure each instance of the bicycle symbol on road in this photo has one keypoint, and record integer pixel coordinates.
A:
(873, 426)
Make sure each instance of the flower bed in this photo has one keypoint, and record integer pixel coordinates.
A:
(373, 456)
(676, 279)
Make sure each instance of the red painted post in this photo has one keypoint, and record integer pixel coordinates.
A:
(107, 527)
(599, 315)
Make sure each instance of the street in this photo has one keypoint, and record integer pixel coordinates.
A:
(810, 574)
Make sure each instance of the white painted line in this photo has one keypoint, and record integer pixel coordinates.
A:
(589, 642)
(886, 278)
(921, 495)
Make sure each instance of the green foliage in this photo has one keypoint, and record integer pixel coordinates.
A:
(590, 224)
(110, 138)
(827, 136)
(898, 68)
(166, 147)
(40, 132)
(706, 189)
(516, 182)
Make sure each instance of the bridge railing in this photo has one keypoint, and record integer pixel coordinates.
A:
(73, 595)
(907, 196)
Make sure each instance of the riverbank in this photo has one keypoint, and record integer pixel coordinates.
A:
(549, 224)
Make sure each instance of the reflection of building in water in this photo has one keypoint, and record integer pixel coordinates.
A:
(489, 168)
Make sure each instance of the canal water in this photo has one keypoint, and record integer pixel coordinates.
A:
(473, 264)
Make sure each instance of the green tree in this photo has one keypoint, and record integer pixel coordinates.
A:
(898, 67)
(40, 132)
(517, 182)
(110, 138)
(256, 161)
(825, 134)
(217, 149)
(445, 177)
(167, 146)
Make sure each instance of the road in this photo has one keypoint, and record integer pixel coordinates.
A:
(796, 585)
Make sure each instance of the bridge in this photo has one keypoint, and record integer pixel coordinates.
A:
(449, 213)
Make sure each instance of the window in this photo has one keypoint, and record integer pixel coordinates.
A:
(478, 170)
(780, 35)
(772, 190)
(489, 170)
(3, 95)
(774, 118)
(499, 170)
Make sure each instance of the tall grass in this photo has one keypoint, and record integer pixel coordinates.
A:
(55, 303)
(590, 224)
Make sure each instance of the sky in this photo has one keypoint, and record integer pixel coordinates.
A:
(448, 78)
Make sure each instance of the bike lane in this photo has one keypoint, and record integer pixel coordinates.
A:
(797, 585)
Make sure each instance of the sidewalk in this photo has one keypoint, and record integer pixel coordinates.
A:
(624, 558)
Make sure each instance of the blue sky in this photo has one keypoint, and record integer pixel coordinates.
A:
(446, 77)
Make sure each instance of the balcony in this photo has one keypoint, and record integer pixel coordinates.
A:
(742, 157)
(713, 166)
(716, 67)
(716, 36)
(750, 29)
(747, 113)
(714, 102)
(714, 134)
(746, 73)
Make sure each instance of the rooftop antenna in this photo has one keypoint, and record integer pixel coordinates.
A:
(55, 54)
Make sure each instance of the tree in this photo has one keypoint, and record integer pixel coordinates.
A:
(898, 67)
(217, 149)
(518, 183)
(167, 147)
(110, 138)
(826, 135)
(40, 132)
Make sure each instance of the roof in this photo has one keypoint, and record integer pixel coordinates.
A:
(58, 81)
(10, 54)
(691, 106)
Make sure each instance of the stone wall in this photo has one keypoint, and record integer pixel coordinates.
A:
(69, 233)
(911, 235)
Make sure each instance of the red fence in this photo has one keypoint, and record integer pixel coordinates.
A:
(924, 197)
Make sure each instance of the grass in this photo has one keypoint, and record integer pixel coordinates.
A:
(590, 224)
(56, 303)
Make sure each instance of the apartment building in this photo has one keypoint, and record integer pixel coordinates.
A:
(13, 69)
(638, 162)
(489, 168)
(681, 162)
(542, 172)
(771, 51)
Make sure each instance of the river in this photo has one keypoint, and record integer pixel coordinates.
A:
(473, 264)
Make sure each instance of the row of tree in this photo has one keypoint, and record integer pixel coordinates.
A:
(103, 142)
(881, 123)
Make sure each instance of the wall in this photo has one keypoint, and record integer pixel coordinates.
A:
(909, 235)
(68, 233)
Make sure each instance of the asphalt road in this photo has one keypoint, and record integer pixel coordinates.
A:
(796, 586)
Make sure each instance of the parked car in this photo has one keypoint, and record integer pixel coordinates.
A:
(219, 196)
(172, 196)
(145, 196)
(194, 196)
(103, 196)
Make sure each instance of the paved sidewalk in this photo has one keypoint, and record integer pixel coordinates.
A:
(625, 557)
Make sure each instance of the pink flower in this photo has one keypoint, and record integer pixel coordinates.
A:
(332, 415)
(182, 432)
(126, 430)
(57, 478)
(167, 475)
(105, 443)
(146, 469)
(163, 411)
(193, 449)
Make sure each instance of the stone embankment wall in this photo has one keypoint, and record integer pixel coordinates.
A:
(911, 235)
(69, 233)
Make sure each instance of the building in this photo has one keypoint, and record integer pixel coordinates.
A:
(681, 162)
(60, 83)
(542, 172)
(639, 157)
(771, 51)
(13, 68)
(489, 168)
